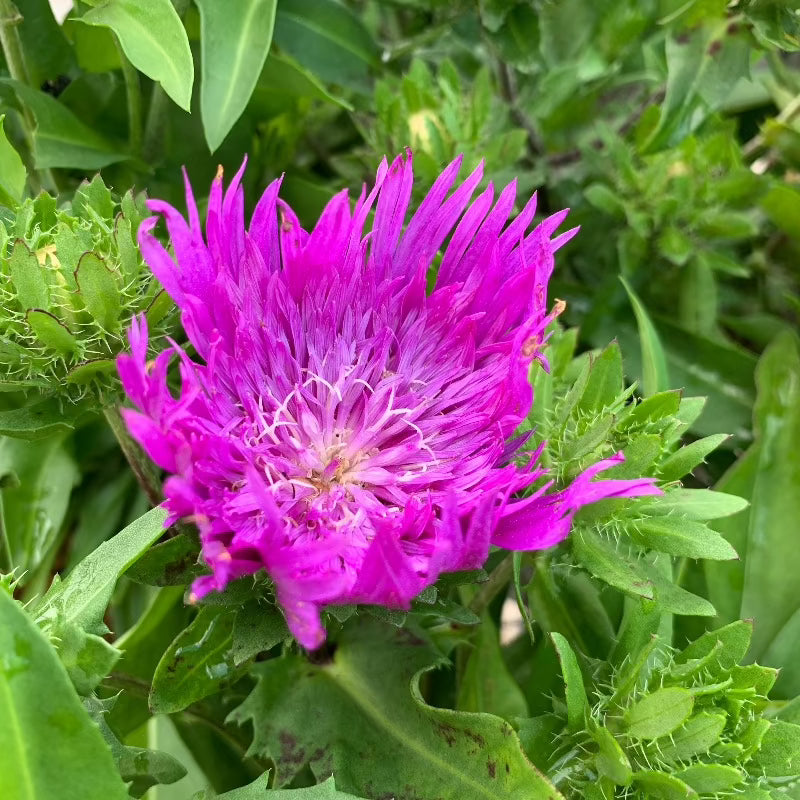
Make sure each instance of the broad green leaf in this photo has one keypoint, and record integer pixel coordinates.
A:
(734, 638)
(235, 40)
(325, 714)
(283, 79)
(51, 331)
(575, 692)
(38, 420)
(606, 381)
(12, 171)
(258, 628)
(258, 791)
(60, 138)
(487, 685)
(86, 657)
(661, 786)
(99, 290)
(771, 552)
(680, 536)
(779, 754)
(34, 509)
(153, 38)
(48, 54)
(697, 735)
(327, 38)
(684, 460)
(49, 747)
(196, 664)
(659, 713)
(655, 377)
(84, 596)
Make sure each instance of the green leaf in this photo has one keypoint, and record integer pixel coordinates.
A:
(683, 461)
(258, 628)
(12, 171)
(661, 786)
(697, 735)
(60, 138)
(361, 698)
(153, 38)
(322, 791)
(605, 563)
(235, 40)
(771, 551)
(711, 778)
(38, 420)
(34, 510)
(779, 754)
(577, 704)
(170, 563)
(48, 745)
(487, 685)
(655, 377)
(84, 596)
(659, 713)
(611, 760)
(196, 664)
(327, 38)
(606, 381)
(86, 657)
(99, 290)
(27, 277)
(46, 50)
(51, 332)
(680, 537)
(698, 504)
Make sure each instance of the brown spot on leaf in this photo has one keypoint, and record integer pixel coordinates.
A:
(491, 768)
(291, 752)
(447, 732)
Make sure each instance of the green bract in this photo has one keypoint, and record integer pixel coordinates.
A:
(668, 725)
(71, 278)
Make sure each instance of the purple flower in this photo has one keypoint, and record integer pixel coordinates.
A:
(345, 429)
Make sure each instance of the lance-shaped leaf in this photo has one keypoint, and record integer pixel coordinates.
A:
(49, 747)
(153, 38)
(235, 40)
(12, 171)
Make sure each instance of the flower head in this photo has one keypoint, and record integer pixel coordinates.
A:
(345, 429)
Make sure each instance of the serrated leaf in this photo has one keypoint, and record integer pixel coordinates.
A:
(679, 536)
(696, 736)
(323, 714)
(98, 288)
(711, 778)
(84, 596)
(51, 332)
(611, 760)
(684, 460)
(735, 640)
(661, 786)
(86, 657)
(605, 563)
(697, 504)
(196, 664)
(27, 277)
(51, 750)
(779, 754)
(235, 40)
(153, 38)
(659, 713)
(575, 692)
(40, 420)
(12, 171)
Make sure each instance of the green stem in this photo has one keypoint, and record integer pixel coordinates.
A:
(156, 124)
(7, 563)
(499, 578)
(133, 91)
(143, 468)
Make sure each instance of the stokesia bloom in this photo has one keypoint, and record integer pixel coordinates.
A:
(344, 428)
